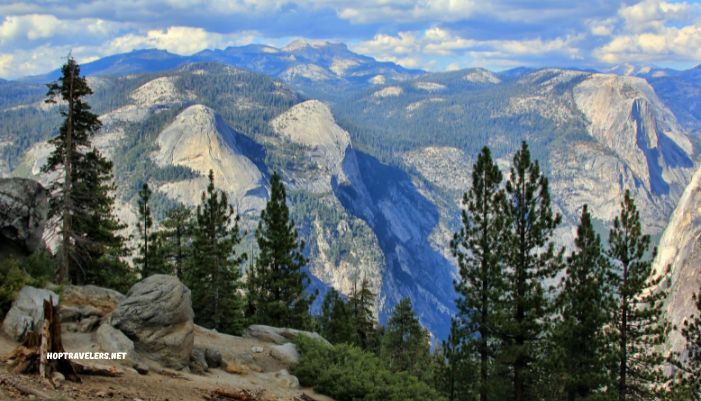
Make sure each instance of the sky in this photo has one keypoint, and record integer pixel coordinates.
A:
(436, 35)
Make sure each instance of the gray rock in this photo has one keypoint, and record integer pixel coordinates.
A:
(110, 340)
(279, 335)
(157, 315)
(285, 353)
(27, 312)
(24, 205)
(286, 379)
(213, 358)
(256, 349)
(91, 300)
(198, 362)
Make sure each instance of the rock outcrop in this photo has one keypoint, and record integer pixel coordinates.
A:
(200, 140)
(157, 316)
(680, 251)
(82, 308)
(27, 312)
(279, 335)
(24, 205)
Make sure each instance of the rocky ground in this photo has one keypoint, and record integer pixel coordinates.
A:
(169, 358)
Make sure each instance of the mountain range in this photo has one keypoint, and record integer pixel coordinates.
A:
(377, 156)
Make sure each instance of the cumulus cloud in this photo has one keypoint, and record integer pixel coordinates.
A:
(419, 46)
(18, 29)
(654, 31)
(179, 39)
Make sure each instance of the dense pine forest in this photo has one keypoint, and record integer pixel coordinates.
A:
(534, 321)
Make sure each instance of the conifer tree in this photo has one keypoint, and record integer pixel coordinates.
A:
(214, 272)
(278, 283)
(584, 306)
(405, 343)
(454, 375)
(362, 301)
(478, 248)
(82, 199)
(336, 322)
(639, 325)
(145, 224)
(691, 363)
(531, 258)
(175, 234)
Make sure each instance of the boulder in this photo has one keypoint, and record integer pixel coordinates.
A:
(157, 315)
(284, 378)
(24, 206)
(198, 363)
(93, 299)
(27, 312)
(279, 335)
(285, 353)
(112, 340)
(213, 358)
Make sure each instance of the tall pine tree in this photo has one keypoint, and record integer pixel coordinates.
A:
(277, 286)
(691, 363)
(362, 301)
(454, 373)
(336, 320)
(478, 247)
(639, 325)
(584, 306)
(214, 272)
(145, 225)
(175, 233)
(405, 343)
(531, 258)
(82, 200)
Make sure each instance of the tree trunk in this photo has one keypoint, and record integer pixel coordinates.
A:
(63, 271)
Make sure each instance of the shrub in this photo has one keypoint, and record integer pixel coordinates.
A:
(348, 373)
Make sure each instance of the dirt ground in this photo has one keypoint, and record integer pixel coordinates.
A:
(257, 373)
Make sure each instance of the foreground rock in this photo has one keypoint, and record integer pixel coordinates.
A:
(24, 205)
(27, 312)
(279, 335)
(157, 315)
(83, 308)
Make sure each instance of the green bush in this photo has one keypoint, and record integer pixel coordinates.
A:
(13, 278)
(347, 373)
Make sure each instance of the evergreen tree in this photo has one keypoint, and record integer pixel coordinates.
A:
(145, 224)
(531, 258)
(454, 371)
(478, 247)
(584, 304)
(175, 233)
(691, 366)
(336, 324)
(91, 249)
(214, 273)
(639, 325)
(278, 283)
(362, 301)
(405, 343)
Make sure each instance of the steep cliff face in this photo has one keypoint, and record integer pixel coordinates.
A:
(680, 251)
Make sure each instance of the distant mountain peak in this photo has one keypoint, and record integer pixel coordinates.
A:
(296, 44)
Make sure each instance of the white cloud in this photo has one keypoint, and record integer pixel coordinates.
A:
(654, 31)
(178, 39)
(665, 44)
(39, 27)
(421, 46)
(652, 14)
(408, 10)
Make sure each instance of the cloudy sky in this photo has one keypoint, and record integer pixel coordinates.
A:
(431, 34)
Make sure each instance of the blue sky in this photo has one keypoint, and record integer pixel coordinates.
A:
(431, 34)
